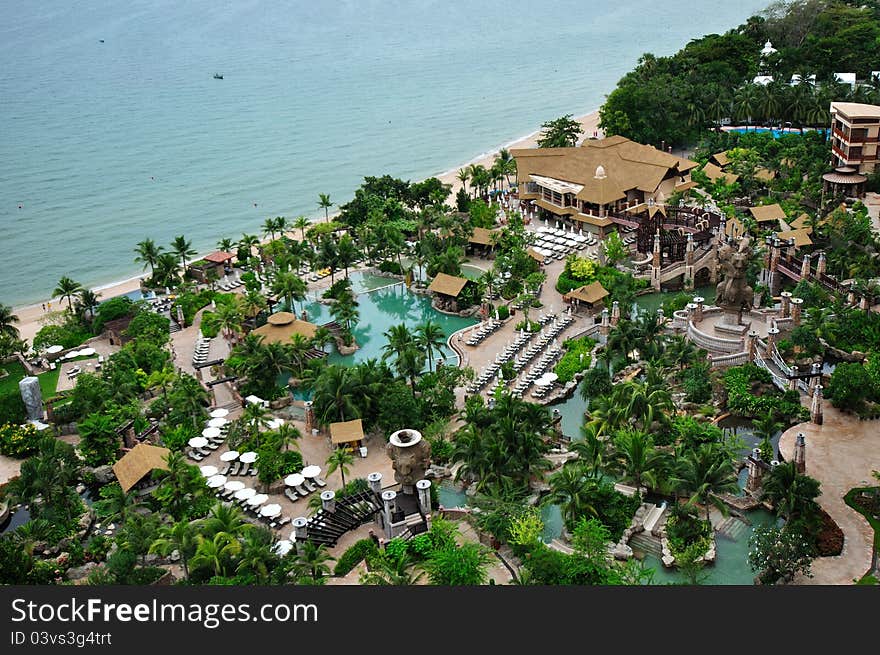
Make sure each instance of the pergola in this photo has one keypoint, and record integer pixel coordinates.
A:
(138, 462)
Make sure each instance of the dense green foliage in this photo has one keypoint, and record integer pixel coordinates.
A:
(576, 358)
(18, 440)
(750, 392)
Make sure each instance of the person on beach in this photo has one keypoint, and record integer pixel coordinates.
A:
(44, 307)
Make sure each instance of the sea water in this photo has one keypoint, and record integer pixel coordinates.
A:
(115, 130)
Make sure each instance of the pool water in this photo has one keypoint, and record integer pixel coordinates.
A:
(776, 132)
(651, 302)
(471, 272)
(383, 302)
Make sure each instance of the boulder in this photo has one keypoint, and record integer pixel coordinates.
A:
(103, 474)
(80, 572)
(438, 471)
(175, 555)
(668, 560)
(622, 552)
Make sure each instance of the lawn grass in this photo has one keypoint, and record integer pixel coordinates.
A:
(48, 380)
(849, 499)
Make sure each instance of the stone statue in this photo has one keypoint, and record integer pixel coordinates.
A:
(32, 397)
(410, 457)
(732, 293)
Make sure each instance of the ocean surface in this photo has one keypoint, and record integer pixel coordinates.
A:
(114, 129)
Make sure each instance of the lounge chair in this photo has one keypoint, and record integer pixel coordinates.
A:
(245, 468)
(233, 469)
(253, 471)
(225, 470)
(308, 485)
(291, 495)
(302, 492)
(319, 482)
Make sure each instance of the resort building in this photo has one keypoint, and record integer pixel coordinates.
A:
(282, 326)
(589, 296)
(855, 132)
(591, 182)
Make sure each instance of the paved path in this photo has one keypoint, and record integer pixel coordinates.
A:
(840, 454)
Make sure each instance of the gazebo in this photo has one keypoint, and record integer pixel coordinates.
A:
(350, 433)
(138, 462)
(280, 327)
(844, 181)
(768, 213)
(483, 238)
(447, 287)
(590, 295)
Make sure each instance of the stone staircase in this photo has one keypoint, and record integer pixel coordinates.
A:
(646, 543)
(732, 528)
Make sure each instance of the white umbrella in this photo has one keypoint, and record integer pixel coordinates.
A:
(256, 501)
(208, 470)
(216, 481)
(54, 349)
(248, 458)
(220, 412)
(198, 442)
(234, 485)
(294, 480)
(271, 511)
(282, 547)
(244, 494)
(275, 423)
(87, 352)
(311, 471)
(217, 422)
(550, 377)
(211, 433)
(229, 456)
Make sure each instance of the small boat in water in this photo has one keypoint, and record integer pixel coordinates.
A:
(218, 76)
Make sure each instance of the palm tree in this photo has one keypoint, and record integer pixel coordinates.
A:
(341, 458)
(570, 489)
(345, 312)
(332, 395)
(347, 252)
(8, 321)
(225, 519)
(269, 227)
(256, 554)
(637, 459)
(287, 434)
(165, 273)
(322, 337)
(393, 571)
(255, 416)
(593, 450)
(745, 102)
(67, 288)
(48, 474)
(328, 256)
(88, 300)
(325, 204)
(403, 346)
(214, 552)
(301, 223)
(115, 505)
(183, 249)
(791, 493)
(291, 286)
(228, 318)
(506, 164)
(430, 336)
(768, 102)
(765, 428)
(463, 176)
(180, 486)
(180, 536)
(703, 473)
(148, 253)
(313, 559)
(226, 245)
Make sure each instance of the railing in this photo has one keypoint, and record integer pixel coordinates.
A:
(735, 359)
(778, 381)
(713, 343)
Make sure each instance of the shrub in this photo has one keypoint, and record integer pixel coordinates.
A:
(18, 440)
(353, 556)
(391, 267)
(696, 383)
(533, 326)
(739, 381)
(597, 382)
(12, 408)
(191, 303)
(503, 312)
(69, 335)
(576, 358)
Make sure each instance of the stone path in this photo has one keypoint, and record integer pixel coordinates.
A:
(840, 454)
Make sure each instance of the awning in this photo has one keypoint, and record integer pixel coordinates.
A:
(556, 185)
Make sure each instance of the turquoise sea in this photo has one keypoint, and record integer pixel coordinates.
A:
(114, 130)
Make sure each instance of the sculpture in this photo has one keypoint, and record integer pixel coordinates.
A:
(410, 457)
(32, 397)
(732, 293)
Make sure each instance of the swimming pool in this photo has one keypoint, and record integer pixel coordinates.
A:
(775, 131)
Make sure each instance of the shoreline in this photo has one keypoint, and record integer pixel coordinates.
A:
(31, 315)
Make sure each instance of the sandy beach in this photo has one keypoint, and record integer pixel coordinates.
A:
(33, 317)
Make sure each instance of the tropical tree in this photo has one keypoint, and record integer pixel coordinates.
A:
(181, 489)
(430, 337)
(116, 505)
(325, 203)
(301, 223)
(506, 164)
(67, 288)
(403, 345)
(322, 337)
(226, 519)
(562, 132)
(226, 245)
(166, 272)
(703, 473)
(256, 556)
(147, 253)
(290, 286)
(765, 428)
(332, 395)
(183, 249)
(571, 488)
(88, 300)
(636, 458)
(248, 242)
(50, 475)
(8, 321)
(347, 252)
(180, 536)
(216, 552)
(463, 176)
(341, 458)
(793, 494)
(465, 565)
(314, 560)
(345, 312)
(392, 570)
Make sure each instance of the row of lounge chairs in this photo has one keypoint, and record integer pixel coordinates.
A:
(238, 468)
(491, 326)
(294, 494)
(230, 285)
(201, 350)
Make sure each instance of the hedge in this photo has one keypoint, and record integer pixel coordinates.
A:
(571, 362)
(12, 408)
(354, 556)
(740, 401)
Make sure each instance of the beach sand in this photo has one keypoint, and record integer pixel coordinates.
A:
(33, 317)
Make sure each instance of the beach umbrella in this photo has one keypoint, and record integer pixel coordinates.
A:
(244, 494)
(216, 481)
(234, 485)
(311, 471)
(282, 547)
(294, 480)
(208, 470)
(211, 433)
(87, 352)
(271, 511)
(229, 456)
(248, 458)
(198, 442)
(217, 422)
(257, 500)
(550, 377)
(275, 423)
(52, 350)
(220, 412)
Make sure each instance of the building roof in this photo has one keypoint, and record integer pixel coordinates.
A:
(347, 431)
(720, 158)
(602, 169)
(684, 186)
(733, 228)
(448, 285)
(766, 213)
(589, 293)
(802, 222)
(837, 177)
(765, 174)
(856, 109)
(482, 236)
(219, 257)
(714, 173)
(282, 326)
(138, 462)
(801, 237)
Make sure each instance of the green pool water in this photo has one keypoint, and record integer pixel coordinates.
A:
(383, 302)
(651, 302)
(471, 272)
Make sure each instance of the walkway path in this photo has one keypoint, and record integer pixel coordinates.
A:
(840, 454)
